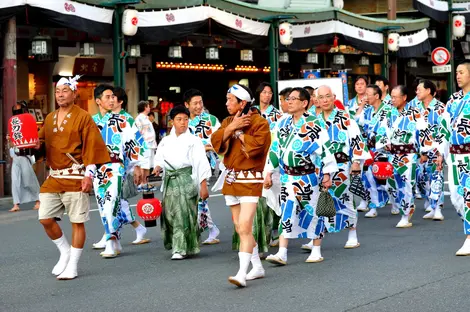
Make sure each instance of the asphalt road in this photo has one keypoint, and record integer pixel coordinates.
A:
(394, 269)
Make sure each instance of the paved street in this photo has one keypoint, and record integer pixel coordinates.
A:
(394, 270)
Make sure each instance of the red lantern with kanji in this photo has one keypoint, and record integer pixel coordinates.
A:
(382, 170)
(23, 131)
(149, 209)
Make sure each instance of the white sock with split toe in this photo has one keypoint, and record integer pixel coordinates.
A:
(71, 270)
(316, 252)
(282, 253)
(140, 231)
(245, 259)
(64, 248)
(255, 260)
(352, 236)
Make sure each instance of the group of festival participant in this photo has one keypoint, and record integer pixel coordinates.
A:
(275, 165)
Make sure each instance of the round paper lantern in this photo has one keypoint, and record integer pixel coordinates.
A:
(149, 209)
(285, 33)
(382, 170)
(393, 41)
(130, 22)
(23, 131)
(458, 26)
(339, 4)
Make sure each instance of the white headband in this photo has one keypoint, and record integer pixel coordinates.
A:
(240, 93)
(71, 82)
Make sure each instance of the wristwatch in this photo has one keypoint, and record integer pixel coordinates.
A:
(237, 134)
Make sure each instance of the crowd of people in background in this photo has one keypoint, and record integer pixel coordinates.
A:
(281, 170)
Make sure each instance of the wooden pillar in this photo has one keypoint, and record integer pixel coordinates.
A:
(9, 97)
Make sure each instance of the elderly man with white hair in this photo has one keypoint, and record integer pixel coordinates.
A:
(300, 149)
(73, 147)
(350, 151)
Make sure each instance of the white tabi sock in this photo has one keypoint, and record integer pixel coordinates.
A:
(117, 245)
(71, 271)
(110, 247)
(316, 252)
(245, 259)
(64, 248)
(255, 260)
(140, 231)
(352, 235)
(282, 253)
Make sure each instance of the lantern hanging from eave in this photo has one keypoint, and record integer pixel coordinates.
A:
(392, 42)
(458, 26)
(130, 22)
(285, 33)
(339, 4)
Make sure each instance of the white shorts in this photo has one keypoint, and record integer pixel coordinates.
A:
(231, 200)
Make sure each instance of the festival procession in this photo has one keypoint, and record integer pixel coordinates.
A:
(265, 141)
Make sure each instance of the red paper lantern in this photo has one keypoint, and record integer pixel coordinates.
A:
(335, 41)
(23, 131)
(149, 209)
(370, 161)
(382, 170)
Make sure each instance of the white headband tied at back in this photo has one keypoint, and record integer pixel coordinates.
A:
(71, 82)
(240, 93)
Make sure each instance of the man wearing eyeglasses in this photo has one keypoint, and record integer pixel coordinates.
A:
(300, 149)
(371, 119)
(202, 125)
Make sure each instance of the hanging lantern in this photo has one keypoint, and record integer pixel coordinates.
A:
(212, 53)
(130, 22)
(283, 57)
(364, 61)
(339, 4)
(246, 55)
(134, 50)
(432, 33)
(392, 42)
(87, 49)
(285, 33)
(335, 41)
(382, 170)
(458, 26)
(338, 59)
(175, 52)
(23, 131)
(412, 63)
(312, 58)
(41, 45)
(149, 209)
